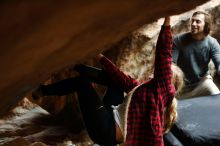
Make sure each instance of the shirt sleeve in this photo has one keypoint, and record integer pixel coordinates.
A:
(215, 55)
(163, 61)
(117, 77)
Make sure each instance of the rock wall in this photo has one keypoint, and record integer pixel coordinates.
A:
(134, 54)
(42, 37)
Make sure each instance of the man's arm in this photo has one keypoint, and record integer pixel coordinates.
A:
(215, 55)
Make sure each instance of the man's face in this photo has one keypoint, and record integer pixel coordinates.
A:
(197, 24)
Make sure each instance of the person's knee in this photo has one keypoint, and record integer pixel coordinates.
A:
(210, 86)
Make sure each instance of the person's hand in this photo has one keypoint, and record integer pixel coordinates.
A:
(167, 21)
(99, 56)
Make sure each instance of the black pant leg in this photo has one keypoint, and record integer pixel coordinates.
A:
(62, 87)
(98, 120)
(93, 74)
(113, 96)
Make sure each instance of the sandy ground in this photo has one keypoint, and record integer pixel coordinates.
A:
(37, 125)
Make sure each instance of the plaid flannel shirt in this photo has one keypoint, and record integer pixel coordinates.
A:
(145, 114)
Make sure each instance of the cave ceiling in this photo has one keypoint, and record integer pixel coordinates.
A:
(39, 37)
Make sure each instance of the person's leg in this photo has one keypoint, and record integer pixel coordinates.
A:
(98, 120)
(59, 88)
(69, 85)
(113, 95)
(62, 87)
(205, 87)
(187, 92)
(208, 87)
(93, 74)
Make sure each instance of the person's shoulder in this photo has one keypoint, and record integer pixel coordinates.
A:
(183, 35)
(211, 39)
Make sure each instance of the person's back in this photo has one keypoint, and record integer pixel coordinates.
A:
(192, 51)
(145, 110)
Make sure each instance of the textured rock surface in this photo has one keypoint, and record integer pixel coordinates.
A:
(41, 37)
(134, 54)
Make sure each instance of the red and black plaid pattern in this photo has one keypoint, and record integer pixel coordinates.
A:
(145, 115)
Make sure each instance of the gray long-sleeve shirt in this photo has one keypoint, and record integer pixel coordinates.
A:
(193, 56)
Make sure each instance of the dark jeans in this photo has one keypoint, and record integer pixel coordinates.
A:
(97, 114)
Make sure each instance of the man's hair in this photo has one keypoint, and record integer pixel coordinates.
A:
(208, 21)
